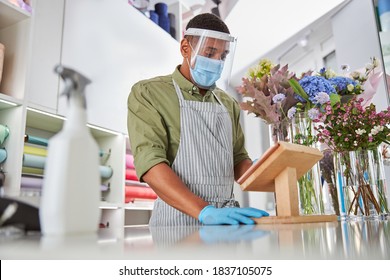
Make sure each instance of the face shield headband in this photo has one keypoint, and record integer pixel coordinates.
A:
(211, 56)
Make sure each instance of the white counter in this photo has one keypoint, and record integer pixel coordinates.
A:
(340, 240)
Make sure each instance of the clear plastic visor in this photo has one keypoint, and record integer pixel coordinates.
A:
(214, 45)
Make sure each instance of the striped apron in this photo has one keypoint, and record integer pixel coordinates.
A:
(204, 159)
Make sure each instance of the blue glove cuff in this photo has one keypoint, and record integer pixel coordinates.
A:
(202, 213)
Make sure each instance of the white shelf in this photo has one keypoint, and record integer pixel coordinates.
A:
(7, 102)
(11, 14)
(139, 205)
(108, 205)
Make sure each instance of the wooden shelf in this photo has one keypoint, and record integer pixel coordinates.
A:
(278, 171)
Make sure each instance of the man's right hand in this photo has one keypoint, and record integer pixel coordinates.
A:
(229, 216)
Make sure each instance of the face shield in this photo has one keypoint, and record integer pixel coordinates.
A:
(211, 56)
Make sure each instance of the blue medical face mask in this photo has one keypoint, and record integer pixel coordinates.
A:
(206, 71)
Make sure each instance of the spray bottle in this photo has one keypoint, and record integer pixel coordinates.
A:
(71, 185)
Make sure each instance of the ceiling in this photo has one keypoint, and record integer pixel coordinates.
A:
(261, 25)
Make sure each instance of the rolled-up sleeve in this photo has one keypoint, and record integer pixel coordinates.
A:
(146, 129)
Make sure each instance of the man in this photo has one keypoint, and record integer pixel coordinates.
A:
(185, 134)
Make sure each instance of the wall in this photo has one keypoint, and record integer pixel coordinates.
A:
(114, 45)
(356, 39)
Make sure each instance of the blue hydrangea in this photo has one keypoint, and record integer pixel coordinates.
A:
(341, 83)
(313, 85)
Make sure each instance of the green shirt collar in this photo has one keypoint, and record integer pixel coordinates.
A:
(186, 85)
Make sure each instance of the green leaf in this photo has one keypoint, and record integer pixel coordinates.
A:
(298, 89)
(334, 99)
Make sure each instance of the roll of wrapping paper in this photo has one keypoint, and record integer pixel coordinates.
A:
(36, 140)
(35, 151)
(104, 187)
(34, 161)
(129, 161)
(30, 170)
(31, 182)
(105, 172)
(34, 182)
(137, 192)
(4, 132)
(131, 175)
(43, 151)
(3, 155)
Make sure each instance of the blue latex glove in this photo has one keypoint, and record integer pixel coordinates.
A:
(230, 234)
(230, 216)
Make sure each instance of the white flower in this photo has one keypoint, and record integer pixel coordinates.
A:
(313, 113)
(355, 75)
(329, 73)
(278, 98)
(376, 129)
(321, 98)
(369, 66)
(350, 87)
(360, 131)
(374, 64)
(291, 112)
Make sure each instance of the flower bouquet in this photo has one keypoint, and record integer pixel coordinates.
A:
(317, 94)
(354, 133)
(313, 92)
(294, 106)
(268, 95)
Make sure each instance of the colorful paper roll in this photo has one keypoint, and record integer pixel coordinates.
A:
(104, 188)
(3, 155)
(34, 161)
(31, 170)
(137, 192)
(131, 175)
(4, 132)
(31, 182)
(36, 140)
(129, 161)
(105, 172)
(35, 151)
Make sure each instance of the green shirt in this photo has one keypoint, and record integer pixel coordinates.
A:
(153, 120)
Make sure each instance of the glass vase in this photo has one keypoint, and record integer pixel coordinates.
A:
(361, 184)
(280, 131)
(309, 185)
(329, 187)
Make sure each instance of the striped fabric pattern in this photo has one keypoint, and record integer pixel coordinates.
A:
(204, 160)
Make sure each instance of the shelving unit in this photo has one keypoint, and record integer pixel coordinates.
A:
(30, 101)
(15, 36)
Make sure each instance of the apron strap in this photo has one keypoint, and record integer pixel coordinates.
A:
(178, 92)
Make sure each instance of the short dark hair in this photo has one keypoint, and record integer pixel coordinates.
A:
(208, 21)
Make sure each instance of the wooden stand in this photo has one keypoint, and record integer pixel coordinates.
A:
(278, 171)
